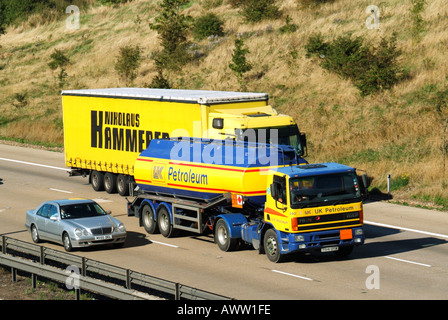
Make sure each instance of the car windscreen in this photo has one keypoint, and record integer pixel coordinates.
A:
(81, 210)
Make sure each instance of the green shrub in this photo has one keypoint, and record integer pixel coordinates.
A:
(257, 10)
(128, 61)
(59, 60)
(208, 25)
(288, 27)
(172, 27)
(370, 68)
(239, 64)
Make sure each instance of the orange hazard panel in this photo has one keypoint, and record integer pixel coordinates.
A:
(346, 234)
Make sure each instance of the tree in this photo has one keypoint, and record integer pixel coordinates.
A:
(172, 27)
(128, 61)
(239, 64)
(59, 60)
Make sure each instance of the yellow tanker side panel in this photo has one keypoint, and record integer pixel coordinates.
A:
(107, 134)
(201, 177)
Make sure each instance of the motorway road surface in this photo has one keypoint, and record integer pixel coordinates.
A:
(405, 255)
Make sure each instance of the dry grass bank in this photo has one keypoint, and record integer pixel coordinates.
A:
(397, 132)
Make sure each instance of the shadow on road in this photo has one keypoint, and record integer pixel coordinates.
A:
(373, 246)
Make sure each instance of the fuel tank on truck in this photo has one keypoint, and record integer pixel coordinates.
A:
(204, 168)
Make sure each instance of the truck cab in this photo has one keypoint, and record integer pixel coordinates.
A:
(255, 123)
(313, 207)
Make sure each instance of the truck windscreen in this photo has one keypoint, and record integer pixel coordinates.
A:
(330, 189)
(284, 135)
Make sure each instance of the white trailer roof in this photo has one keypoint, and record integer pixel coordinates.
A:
(192, 96)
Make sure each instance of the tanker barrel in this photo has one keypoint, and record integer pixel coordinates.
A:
(205, 168)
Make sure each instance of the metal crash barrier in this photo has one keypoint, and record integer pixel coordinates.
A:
(81, 273)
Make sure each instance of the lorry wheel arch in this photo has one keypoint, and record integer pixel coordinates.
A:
(222, 236)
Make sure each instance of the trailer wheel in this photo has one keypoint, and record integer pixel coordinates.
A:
(271, 246)
(222, 237)
(97, 179)
(164, 223)
(122, 185)
(149, 219)
(110, 182)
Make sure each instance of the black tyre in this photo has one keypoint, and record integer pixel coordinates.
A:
(122, 185)
(97, 180)
(149, 220)
(272, 246)
(35, 234)
(110, 182)
(164, 222)
(67, 242)
(222, 237)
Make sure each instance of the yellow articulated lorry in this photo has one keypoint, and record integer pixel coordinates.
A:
(106, 129)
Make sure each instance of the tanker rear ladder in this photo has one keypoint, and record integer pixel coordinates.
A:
(181, 220)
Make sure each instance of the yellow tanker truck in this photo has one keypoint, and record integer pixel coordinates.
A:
(259, 194)
(106, 129)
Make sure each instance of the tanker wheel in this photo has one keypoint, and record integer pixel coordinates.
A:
(148, 219)
(110, 182)
(222, 237)
(122, 185)
(164, 223)
(271, 246)
(97, 179)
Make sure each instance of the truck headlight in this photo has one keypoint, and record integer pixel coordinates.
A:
(359, 232)
(299, 238)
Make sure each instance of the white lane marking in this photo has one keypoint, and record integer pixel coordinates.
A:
(59, 190)
(292, 275)
(101, 200)
(165, 244)
(406, 229)
(409, 261)
(35, 164)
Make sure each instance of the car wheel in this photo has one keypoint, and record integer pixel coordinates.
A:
(35, 234)
(67, 242)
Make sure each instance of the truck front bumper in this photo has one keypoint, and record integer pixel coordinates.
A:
(322, 241)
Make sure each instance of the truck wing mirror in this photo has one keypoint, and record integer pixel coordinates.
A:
(273, 190)
(366, 183)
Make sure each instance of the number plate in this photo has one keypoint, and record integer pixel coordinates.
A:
(106, 237)
(329, 249)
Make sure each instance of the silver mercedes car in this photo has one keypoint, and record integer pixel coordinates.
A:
(74, 223)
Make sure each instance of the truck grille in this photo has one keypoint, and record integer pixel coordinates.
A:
(99, 231)
(328, 221)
